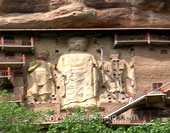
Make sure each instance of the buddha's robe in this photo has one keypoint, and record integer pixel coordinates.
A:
(78, 79)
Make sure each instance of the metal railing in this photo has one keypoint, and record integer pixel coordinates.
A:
(138, 97)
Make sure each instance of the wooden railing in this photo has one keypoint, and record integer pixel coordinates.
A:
(5, 73)
(8, 74)
(132, 37)
(160, 38)
(160, 90)
(24, 43)
(141, 38)
(12, 59)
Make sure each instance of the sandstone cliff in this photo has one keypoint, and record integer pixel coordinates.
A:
(84, 13)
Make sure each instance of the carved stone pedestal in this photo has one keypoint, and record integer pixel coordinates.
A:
(45, 106)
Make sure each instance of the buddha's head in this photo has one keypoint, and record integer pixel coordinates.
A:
(42, 55)
(114, 55)
(77, 43)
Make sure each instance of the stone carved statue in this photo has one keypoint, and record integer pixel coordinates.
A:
(114, 72)
(77, 75)
(119, 76)
(40, 83)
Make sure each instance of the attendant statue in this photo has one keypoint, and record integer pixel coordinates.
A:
(40, 83)
(114, 72)
(77, 75)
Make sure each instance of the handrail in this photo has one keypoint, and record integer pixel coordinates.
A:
(136, 100)
(10, 42)
(130, 105)
(17, 58)
(141, 37)
(154, 90)
(5, 73)
(159, 87)
(131, 37)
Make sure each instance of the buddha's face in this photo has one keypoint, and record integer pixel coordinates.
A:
(114, 55)
(77, 43)
(43, 55)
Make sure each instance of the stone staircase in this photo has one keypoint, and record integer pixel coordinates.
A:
(163, 90)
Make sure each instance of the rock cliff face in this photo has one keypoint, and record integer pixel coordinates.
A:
(84, 13)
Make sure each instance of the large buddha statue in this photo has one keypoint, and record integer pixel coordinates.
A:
(77, 75)
(40, 83)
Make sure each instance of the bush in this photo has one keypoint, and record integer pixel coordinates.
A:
(81, 123)
(16, 118)
(156, 126)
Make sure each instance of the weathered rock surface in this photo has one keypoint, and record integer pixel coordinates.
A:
(84, 13)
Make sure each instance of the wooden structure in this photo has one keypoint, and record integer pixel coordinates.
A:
(16, 45)
(140, 39)
(12, 62)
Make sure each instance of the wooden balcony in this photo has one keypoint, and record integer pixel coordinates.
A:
(16, 45)
(13, 61)
(7, 79)
(6, 74)
(143, 39)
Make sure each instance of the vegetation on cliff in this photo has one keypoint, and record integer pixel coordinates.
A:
(16, 118)
(80, 122)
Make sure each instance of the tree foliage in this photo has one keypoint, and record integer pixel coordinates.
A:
(80, 123)
(156, 126)
(16, 118)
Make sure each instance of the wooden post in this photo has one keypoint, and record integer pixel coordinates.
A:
(2, 41)
(54, 118)
(145, 92)
(129, 95)
(162, 91)
(148, 37)
(23, 58)
(32, 42)
(9, 72)
(20, 97)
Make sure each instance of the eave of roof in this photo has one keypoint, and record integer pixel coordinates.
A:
(84, 29)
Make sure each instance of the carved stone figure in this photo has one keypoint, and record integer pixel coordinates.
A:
(114, 72)
(77, 75)
(116, 76)
(40, 83)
